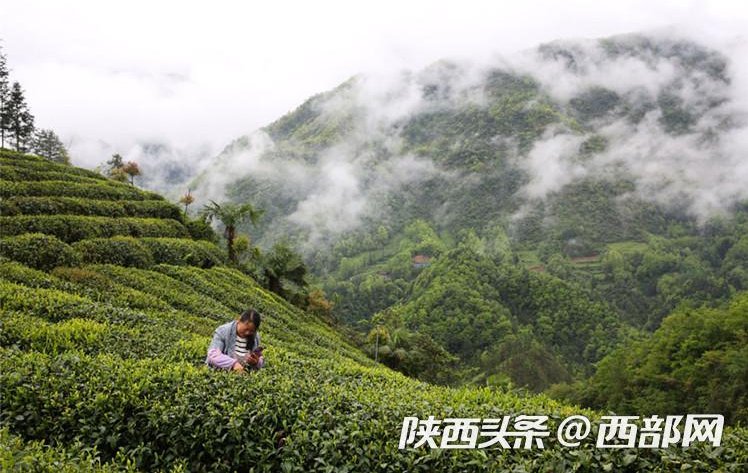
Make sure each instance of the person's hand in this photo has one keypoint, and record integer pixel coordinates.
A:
(253, 359)
(237, 367)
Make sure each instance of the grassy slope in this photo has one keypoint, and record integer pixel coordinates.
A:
(81, 362)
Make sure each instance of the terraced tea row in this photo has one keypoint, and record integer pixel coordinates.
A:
(80, 206)
(72, 228)
(73, 189)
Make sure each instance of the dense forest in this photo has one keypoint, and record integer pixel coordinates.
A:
(512, 231)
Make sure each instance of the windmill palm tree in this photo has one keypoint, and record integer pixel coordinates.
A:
(231, 215)
(285, 272)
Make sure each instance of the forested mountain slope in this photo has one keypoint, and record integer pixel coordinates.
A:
(558, 203)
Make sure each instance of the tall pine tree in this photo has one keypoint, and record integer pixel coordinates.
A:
(47, 144)
(4, 98)
(19, 118)
(115, 163)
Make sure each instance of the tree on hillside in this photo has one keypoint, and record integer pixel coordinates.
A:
(285, 273)
(115, 163)
(4, 98)
(119, 175)
(231, 215)
(131, 169)
(17, 118)
(47, 144)
(319, 305)
(187, 199)
(696, 361)
(119, 170)
(412, 353)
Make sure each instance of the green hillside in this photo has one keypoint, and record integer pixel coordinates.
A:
(494, 151)
(479, 129)
(87, 384)
(524, 218)
(696, 358)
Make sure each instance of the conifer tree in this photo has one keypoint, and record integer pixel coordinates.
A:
(48, 145)
(4, 98)
(115, 163)
(18, 118)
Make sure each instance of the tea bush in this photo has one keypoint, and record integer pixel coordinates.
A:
(178, 295)
(18, 173)
(13, 271)
(99, 287)
(71, 228)
(55, 306)
(348, 422)
(201, 230)
(36, 456)
(44, 165)
(38, 251)
(81, 206)
(239, 291)
(334, 412)
(74, 189)
(181, 251)
(164, 340)
(83, 282)
(123, 251)
(237, 298)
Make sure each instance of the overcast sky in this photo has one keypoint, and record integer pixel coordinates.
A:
(196, 75)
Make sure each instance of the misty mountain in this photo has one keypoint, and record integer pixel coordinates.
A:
(547, 204)
(595, 141)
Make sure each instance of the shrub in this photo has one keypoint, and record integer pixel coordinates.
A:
(82, 206)
(71, 228)
(119, 250)
(16, 272)
(17, 156)
(104, 190)
(55, 305)
(335, 417)
(88, 336)
(184, 252)
(83, 282)
(145, 412)
(98, 286)
(38, 251)
(154, 209)
(237, 291)
(48, 303)
(18, 173)
(201, 230)
(179, 295)
(45, 165)
(8, 207)
(17, 455)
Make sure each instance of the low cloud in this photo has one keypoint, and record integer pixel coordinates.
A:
(701, 167)
(244, 157)
(551, 165)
